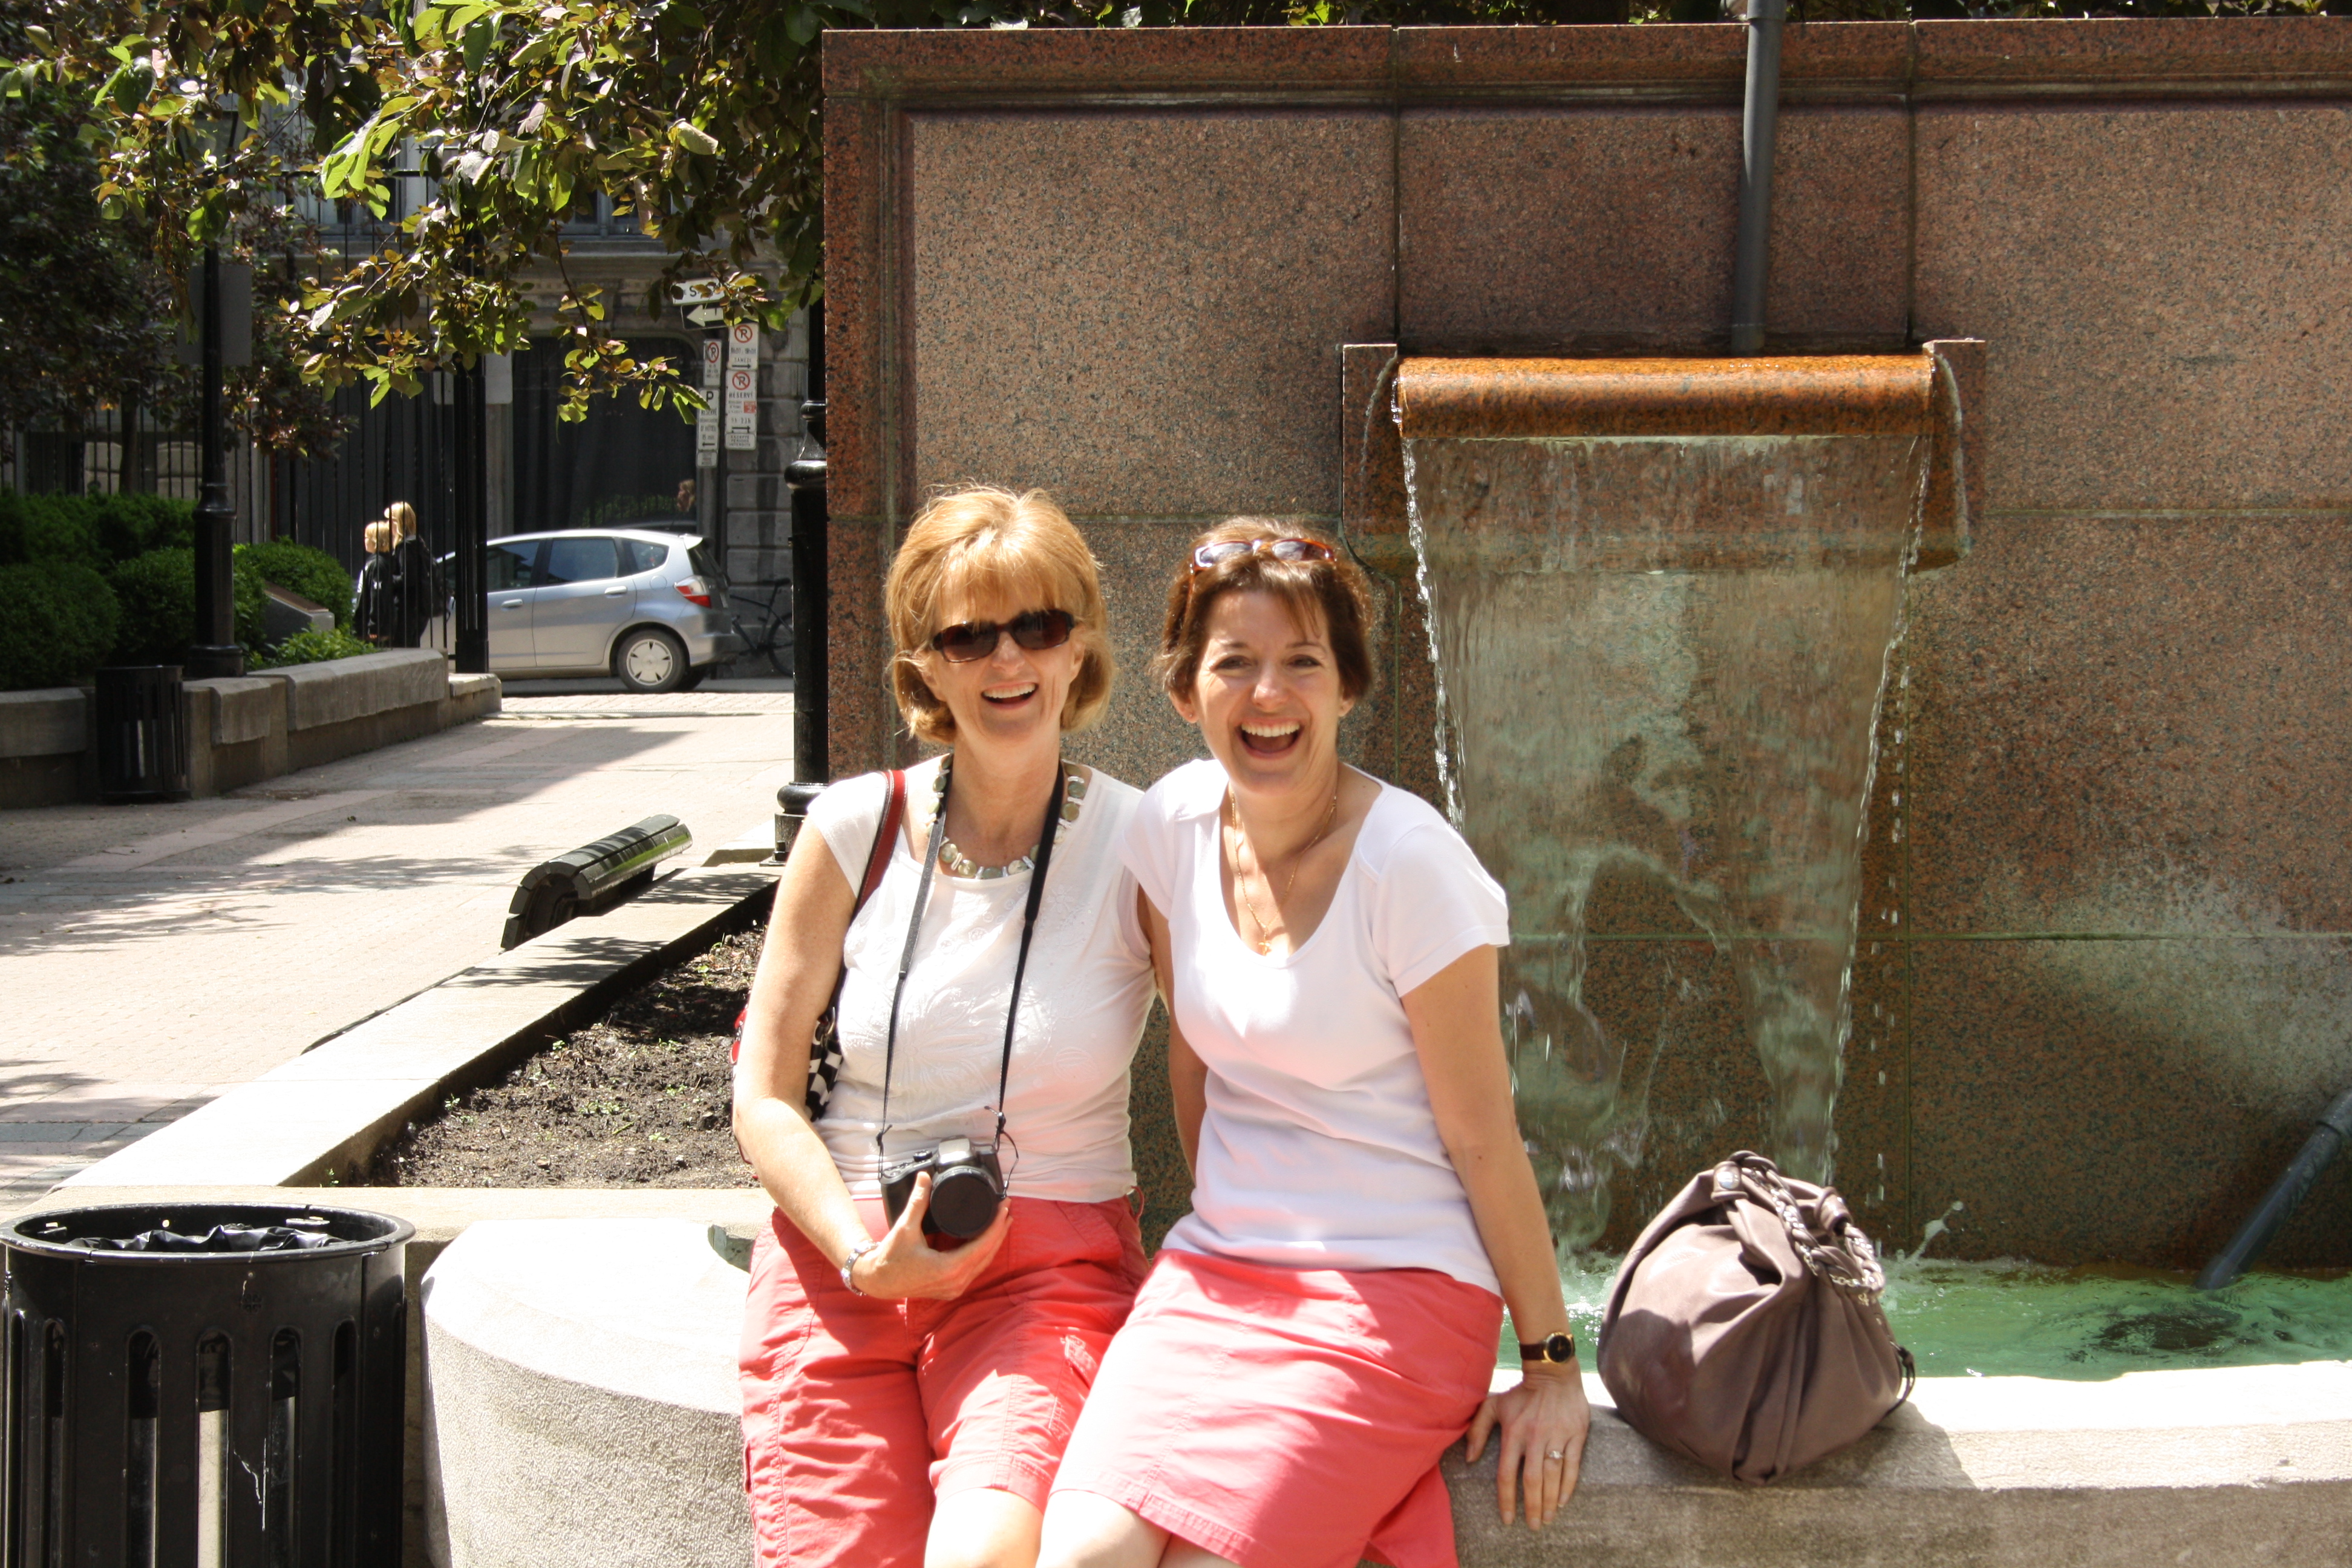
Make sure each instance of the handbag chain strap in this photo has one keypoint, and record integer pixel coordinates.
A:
(1846, 1260)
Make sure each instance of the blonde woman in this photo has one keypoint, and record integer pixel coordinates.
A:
(411, 576)
(372, 595)
(906, 1396)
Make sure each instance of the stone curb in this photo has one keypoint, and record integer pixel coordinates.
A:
(326, 1112)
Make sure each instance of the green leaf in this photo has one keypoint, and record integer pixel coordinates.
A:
(694, 139)
(804, 24)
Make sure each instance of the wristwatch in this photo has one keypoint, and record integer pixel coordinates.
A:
(1555, 1348)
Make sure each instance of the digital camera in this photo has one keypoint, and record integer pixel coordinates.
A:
(967, 1184)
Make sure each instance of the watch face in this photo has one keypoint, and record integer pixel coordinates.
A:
(1559, 1347)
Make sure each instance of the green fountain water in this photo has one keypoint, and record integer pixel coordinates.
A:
(1660, 664)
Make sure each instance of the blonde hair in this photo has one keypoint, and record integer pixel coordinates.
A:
(372, 536)
(986, 541)
(402, 518)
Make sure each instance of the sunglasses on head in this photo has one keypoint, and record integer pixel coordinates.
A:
(1036, 630)
(1209, 555)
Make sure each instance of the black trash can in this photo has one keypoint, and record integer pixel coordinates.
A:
(142, 733)
(231, 1395)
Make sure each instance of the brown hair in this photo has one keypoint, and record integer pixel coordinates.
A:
(372, 537)
(985, 542)
(1334, 589)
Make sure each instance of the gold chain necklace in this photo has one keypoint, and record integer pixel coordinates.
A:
(1264, 944)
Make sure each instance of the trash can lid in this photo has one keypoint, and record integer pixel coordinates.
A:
(197, 1232)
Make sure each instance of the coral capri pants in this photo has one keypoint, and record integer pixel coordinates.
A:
(859, 1413)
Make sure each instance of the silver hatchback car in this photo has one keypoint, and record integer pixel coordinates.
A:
(649, 607)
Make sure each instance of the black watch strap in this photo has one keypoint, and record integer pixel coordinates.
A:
(1554, 1348)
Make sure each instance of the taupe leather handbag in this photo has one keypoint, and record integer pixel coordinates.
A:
(1744, 1329)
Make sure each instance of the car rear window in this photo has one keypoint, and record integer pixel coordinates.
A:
(582, 560)
(642, 555)
(702, 563)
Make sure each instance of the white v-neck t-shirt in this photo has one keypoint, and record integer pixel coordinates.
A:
(1319, 1149)
(1083, 999)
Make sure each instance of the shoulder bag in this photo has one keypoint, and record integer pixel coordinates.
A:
(1744, 1329)
(824, 1046)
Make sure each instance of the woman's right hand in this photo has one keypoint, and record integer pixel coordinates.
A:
(905, 1266)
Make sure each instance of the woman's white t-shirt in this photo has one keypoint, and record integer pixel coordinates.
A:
(1083, 1000)
(1319, 1149)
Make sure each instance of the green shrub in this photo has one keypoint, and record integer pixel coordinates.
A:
(299, 569)
(315, 648)
(130, 525)
(100, 531)
(251, 604)
(157, 595)
(47, 528)
(58, 619)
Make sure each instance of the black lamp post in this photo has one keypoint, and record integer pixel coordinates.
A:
(216, 651)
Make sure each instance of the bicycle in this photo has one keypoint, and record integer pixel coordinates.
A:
(774, 638)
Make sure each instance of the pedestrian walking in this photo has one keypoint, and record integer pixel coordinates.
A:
(372, 593)
(414, 601)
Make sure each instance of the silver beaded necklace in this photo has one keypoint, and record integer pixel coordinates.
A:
(956, 863)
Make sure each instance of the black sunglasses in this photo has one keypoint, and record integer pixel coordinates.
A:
(1209, 555)
(1036, 630)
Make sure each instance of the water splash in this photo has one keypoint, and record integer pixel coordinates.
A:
(1659, 664)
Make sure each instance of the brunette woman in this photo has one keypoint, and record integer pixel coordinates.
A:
(1323, 1324)
(905, 1401)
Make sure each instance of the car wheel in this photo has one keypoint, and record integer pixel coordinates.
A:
(650, 660)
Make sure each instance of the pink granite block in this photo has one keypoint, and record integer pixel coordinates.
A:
(2146, 278)
(1597, 229)
(936, 64)
(1142, 311)
(2133, 725)
(1712, 55)
(2130, 1100)
(857, 350)
(862, 720)
(2172, 51)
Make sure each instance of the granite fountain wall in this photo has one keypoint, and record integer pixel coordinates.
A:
(2105, 978)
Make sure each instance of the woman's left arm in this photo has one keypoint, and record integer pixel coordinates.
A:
(1457, 1032)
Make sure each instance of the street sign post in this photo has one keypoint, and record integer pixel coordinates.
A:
(714, 366)
(742, 408)
(743, 346)
(696, 292)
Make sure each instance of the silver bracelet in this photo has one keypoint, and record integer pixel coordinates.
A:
(850, 1262)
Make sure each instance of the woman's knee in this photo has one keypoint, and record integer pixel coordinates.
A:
(982, 1528)
(1083, 1531)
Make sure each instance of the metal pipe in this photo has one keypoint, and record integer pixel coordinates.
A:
(2278, 1205)
(812, 714)
(216, 652)
(1759, 125)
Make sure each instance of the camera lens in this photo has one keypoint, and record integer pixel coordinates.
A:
(964, 1201)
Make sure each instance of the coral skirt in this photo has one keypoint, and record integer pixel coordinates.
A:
(1288, 1417)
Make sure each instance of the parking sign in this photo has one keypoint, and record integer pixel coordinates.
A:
(743, 344)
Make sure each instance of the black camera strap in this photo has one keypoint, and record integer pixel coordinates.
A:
(1021, 960)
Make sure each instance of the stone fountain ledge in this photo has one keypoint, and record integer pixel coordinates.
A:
(322, 1116)
(596, 1360)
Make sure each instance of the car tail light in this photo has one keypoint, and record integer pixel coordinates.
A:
(696, 591)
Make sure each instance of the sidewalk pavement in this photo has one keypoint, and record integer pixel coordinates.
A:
(158, 955)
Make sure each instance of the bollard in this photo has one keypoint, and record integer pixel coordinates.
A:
(592, 878)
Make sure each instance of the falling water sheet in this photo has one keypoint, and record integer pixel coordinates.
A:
(1660, 662)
